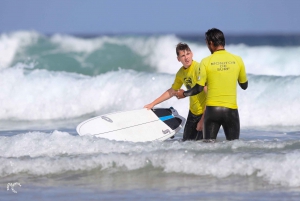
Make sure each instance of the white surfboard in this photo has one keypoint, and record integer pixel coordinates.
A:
(137, 125)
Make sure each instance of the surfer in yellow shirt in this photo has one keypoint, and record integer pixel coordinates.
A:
(220, 72)
(187, 75)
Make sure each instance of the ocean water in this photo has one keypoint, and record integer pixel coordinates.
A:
(49, 84)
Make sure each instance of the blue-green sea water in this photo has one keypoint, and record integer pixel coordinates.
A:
(49, 84)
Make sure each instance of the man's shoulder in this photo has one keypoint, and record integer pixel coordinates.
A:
(234, 55)
(206, 59)
(180, 71)
(195, 62)
(237, 58)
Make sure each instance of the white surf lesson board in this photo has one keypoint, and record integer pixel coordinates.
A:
(140, 125)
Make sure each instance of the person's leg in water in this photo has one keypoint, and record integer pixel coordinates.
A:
(212, 124)
(190, 132)
(231, 124)
(215, 117)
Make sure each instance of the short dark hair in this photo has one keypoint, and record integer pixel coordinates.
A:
(216, 36)
(182, 46)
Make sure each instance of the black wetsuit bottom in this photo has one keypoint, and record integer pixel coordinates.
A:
(215, 117)
(190, 132)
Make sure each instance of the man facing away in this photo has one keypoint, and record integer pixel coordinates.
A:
(187, 75)
(220, 72)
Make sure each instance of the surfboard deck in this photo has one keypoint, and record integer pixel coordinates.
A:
(140, 125)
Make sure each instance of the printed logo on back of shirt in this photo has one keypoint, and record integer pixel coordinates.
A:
(223, 66)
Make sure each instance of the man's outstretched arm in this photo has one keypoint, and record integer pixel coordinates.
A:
(165, 96)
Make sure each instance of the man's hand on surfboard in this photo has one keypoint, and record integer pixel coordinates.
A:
(179, 94)
(149, 106)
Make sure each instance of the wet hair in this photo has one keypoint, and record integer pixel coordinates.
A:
(216, 36)
(182, 46)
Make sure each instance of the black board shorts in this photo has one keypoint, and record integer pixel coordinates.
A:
(215, 117)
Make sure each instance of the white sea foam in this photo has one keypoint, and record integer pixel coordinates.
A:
(44, 95)
(276, 168)
(36, 94)
(11, 44)
(56, 143)
(74, 44)
(157, 52)
(268, 60)
(41, 95)
(39, 153)
(270, 101)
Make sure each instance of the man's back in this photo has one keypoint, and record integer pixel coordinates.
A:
(221, 71)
